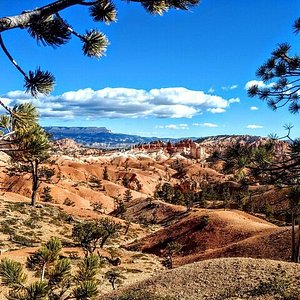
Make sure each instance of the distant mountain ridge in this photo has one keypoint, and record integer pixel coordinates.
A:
(230, 137)
(100, 137)
(76, 130)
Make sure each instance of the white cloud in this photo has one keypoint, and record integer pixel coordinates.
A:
(177, 127)
(172, 111)
(175, 102)
(217, 110)
(260, 84)
(211, 90)
(252, 126)
(209, 125)
(229, 88)
(234, 100)
(254, 108)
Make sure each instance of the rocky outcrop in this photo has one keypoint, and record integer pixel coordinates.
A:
(4, 159)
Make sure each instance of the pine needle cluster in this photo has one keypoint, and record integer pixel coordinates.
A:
(280, 75)
(56, 278)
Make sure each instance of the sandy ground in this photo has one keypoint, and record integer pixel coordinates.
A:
(224, 278)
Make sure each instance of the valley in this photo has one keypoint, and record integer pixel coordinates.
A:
(162, 196)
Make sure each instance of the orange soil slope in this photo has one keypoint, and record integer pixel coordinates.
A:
(228, 233)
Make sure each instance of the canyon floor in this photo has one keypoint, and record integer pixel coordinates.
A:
(228, 258)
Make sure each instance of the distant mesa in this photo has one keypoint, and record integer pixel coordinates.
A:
(99, 137)
(76, 130)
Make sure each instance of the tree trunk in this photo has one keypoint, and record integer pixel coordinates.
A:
(171, 262)
(35, 181)
(293, 237)
(103, 241)
(297, 251)
(127, 228)
(43, 272)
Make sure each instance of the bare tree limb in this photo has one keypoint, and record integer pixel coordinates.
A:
(24, 19)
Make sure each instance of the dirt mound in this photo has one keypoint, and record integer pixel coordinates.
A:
(149, 211)
(198, 171)
(270, 245)
(226, 278)
(214, 233)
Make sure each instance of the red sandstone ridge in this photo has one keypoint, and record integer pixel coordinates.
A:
(205, 147)
(66, 144)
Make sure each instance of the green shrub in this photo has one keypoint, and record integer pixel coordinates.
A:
(30, 222)
(203, 222)
(69, 202)
(97, 206)
(24, 241)
(6, 229)
(46, 194)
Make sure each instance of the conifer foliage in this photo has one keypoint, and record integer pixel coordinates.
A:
(26, 142)
(48, 28)
(265, 165)
(279, 86)
(57, 281)
(92, 234)
(281, 76)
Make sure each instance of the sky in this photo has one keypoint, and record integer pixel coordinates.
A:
(183, 74)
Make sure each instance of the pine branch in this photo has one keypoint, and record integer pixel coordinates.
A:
(11, 58)
(103, 11)
(39, 82)
(5, 136)
(5, 107)
(94, 44)
(12, 273)
(23, 20)
(50, 31)
(69, 28)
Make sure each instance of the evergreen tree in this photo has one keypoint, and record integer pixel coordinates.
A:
(120, 208)
(33, 151)
(90, 234)
(57, 280)
(109, 229)
(189, 199)
(127, 196)
(280, 75)
(263, 164)
(166, 193)
(283, 71)
(178, 197)
(114, 277)
(226, 198)
(172, 249)
(105, 173)
(27, 144)
(45, 257)
(46, 195)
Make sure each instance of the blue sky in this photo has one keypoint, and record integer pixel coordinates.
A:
(183, 74)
